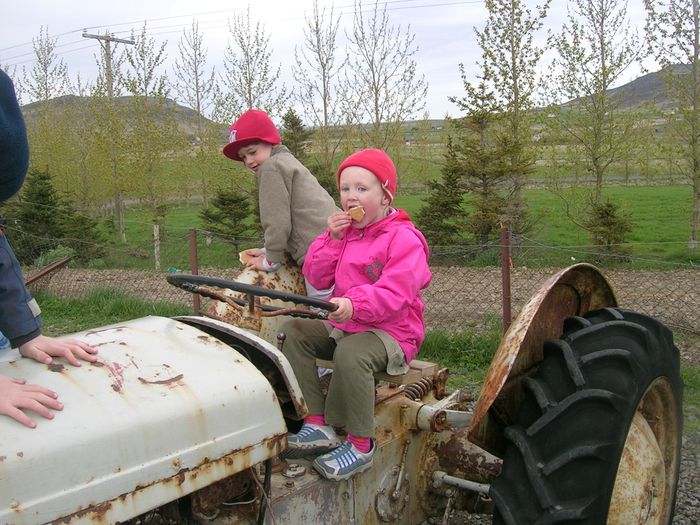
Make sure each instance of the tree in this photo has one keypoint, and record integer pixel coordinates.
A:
(196, 86)
(152, 121)
(318, 88)
(609, 227)
(483, 153)
(595, 47)
(39, 219)
(385, 88)
(249, 78)
(511, 58)
(47, 80)
(227, 215)
(673, 30)
(294, 135)
(442, 218)
(109, 130)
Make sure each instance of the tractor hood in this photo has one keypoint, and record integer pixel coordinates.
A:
(166, 409)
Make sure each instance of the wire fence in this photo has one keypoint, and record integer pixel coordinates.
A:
(462, 296)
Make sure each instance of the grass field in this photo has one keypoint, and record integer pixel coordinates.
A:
(660, 216)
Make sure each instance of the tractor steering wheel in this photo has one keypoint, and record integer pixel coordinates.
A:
(199, 284)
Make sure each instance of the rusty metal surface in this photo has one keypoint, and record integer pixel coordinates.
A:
(272, 355)
(166, 410)
(572, 291)
(287, 278)
(647, 475)
(397, 489)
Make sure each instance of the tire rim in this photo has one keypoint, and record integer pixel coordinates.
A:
(645, 483)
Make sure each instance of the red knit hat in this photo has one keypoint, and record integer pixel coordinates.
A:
(379, 163)
(252, 126)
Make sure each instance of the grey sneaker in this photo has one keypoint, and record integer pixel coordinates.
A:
(311, 440)
(344, 462)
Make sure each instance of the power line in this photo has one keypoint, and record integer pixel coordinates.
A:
(219, 23)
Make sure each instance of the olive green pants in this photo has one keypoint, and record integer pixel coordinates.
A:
(350, 400)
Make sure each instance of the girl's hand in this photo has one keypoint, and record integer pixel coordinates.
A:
(16, 394)
(338, 223)
(344, 311)
(43, 348)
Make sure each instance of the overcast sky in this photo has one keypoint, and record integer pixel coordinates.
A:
(444, 31)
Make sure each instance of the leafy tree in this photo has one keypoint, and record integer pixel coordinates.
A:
(228, 215)
(442, 218)
(250, 80)
(294, 135)
(609, 227)
(483, 154)
(152, 119)
(319, 91)
(510, 57)
(385, 87)
(109, 131)
(47, 79)
(196, 87)
(39, 219)
(673, 30)
(595, 48)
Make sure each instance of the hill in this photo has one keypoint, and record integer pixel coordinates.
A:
(648, 89)
(185, 118)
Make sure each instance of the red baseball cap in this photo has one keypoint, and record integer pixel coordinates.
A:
(376, 161)
(252, 126)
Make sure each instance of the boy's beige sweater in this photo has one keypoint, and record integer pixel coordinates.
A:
(294, 207)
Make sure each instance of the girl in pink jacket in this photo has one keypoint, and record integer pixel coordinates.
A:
(377, 264)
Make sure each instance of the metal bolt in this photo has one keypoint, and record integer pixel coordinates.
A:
(289, 484)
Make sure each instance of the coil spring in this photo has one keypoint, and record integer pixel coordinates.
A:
(417, 390)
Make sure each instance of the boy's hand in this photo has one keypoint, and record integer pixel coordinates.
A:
(250, 253)
(15, 394)
(43, 348)
(338, 223)
(344, 311)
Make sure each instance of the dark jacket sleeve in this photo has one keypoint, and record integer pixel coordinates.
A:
(19, 313)
(14, 148)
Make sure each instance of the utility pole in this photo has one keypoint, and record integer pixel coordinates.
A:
(106, 43)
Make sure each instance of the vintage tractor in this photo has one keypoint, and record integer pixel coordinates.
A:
(184, 420)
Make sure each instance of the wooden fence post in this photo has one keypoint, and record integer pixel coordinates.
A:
(505, 276)
(194, 270)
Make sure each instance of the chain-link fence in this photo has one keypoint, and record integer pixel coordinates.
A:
(461, 297)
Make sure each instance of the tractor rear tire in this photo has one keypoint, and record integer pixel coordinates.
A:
(598, 435)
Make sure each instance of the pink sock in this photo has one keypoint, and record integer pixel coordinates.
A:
(361, 444)
(319, 420)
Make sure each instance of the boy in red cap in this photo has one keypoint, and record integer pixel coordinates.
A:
(293, 205)
(378, 265)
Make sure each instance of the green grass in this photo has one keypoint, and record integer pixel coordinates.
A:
(466, 354)
(98, 308)
(691, 398)
(659, 214)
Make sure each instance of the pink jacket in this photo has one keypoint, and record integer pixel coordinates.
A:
(381, 269)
